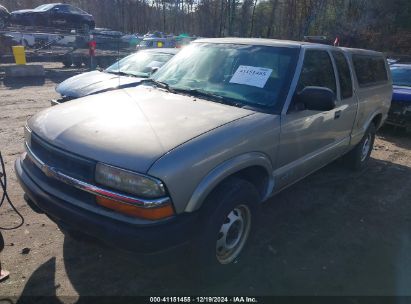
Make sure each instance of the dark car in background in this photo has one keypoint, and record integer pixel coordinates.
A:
(56, 15)
(4, 16)
(400, 111)
(129, 71)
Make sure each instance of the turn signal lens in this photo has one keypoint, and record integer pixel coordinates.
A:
(136, 211)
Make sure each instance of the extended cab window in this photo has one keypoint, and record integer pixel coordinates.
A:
(344, 74)
(370, 70)
(317, 71)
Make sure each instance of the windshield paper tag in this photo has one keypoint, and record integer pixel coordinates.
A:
(252, 76)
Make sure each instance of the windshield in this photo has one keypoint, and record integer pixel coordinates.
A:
(43, 8)
(401, 76)
(139, 64)
(257, 76)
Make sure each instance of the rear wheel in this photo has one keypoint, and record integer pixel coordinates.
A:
(227, 222)
(67, 61)
(358, 158)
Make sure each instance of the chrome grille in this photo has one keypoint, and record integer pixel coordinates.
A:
(67, 163)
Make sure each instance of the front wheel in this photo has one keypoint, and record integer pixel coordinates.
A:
(227, 221)
(358, 158)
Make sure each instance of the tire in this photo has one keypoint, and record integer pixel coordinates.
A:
(357, 159)
(227, 222)
(78, 63)
(67, 61)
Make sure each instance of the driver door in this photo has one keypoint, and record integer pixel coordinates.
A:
(309, 139)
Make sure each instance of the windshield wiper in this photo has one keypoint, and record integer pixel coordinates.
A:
(160, 84)
(120, 73)
(214, 97)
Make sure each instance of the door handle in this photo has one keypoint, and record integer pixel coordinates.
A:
(337, 114)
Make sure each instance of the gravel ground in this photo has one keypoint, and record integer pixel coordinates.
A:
(334, 233)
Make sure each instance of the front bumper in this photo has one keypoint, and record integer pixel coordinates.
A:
(146, 239)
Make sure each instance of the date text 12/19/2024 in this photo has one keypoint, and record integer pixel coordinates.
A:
(203, 300)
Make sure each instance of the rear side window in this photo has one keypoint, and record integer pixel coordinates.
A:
(370, 70)
(344, 74)
(317, 71)
(62, 8)
(75, 10)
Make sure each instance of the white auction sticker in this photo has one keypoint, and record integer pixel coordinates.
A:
(252, 76)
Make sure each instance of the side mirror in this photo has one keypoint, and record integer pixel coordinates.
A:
(317, 98)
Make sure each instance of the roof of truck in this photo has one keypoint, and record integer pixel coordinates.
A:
(277, 42)
(254, 41)
(361, 51)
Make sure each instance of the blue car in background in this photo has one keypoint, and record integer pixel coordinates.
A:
(400, 111)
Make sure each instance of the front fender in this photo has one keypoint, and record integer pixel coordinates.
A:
(226, 169)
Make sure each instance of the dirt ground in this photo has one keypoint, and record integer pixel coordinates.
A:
(334, 233)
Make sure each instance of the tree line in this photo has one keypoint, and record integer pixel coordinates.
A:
(379, 24)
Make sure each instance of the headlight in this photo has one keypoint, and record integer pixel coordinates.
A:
(27, 135)
(142, 186)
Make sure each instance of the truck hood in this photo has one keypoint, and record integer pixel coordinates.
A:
(130, 128)
(94, 82)
(401, 93)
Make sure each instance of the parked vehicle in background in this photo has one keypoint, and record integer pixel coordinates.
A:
(4, 17)
(108, 39)
(188, 159)
(155, 34)
(38, 40)
(107, 32)
(149, 43)
(56, 15)
(132, 40)
(400, 111)
(183, 40)
(129, 71)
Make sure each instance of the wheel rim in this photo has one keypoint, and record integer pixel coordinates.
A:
(233, 234)
(366, 147)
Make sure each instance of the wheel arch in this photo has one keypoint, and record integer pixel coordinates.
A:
(254, 167)
(377, 120)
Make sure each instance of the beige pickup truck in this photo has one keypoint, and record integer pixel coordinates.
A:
(186, 159)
